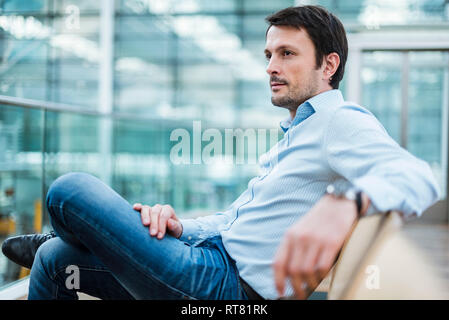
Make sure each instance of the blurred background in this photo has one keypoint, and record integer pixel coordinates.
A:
(98, 86)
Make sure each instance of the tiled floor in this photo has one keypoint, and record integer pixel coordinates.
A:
(433, 241)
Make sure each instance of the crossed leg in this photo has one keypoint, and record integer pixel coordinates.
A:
(100, 233)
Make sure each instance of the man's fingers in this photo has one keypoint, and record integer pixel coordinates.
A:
(166, 214)
(308, 266)
(294, 271)
(154, 217)
(145, 215)
(175, 227)
(326, 261)
(280, 266)
(158, 218)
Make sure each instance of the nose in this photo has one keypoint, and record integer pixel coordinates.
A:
(273, 67)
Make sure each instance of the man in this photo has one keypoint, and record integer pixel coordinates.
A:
(282, 235)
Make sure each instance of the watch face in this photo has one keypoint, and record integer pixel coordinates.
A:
(350, 194)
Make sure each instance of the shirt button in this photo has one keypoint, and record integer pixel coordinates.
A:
(189, 238)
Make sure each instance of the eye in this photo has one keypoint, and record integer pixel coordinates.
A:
(268, 56)
(287, 53)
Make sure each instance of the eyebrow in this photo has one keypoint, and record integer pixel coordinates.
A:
(282, 47)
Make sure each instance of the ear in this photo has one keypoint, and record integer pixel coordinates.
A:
(331, 63)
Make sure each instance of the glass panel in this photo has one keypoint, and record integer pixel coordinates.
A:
(144, 170)
(71, 144)
(375, 14)
(49, 50)
(84, 6)
(20, 179)
(266, 5)
(427, 102)
(381, 89)
(176, 6)
(428, 92)
(24, 6)
(144, 54)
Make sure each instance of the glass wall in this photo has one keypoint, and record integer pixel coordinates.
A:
(428, 93)
(381, 78)
(408, 92)
(21, 138)
(194, 67)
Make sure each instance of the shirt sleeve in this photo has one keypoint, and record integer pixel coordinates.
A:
(358, 148)
(199, 229)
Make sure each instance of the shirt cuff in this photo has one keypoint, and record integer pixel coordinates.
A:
(383, 196)
(191, 231)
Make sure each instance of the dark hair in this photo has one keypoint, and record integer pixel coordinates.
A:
(324, 29)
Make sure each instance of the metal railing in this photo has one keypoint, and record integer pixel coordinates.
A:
(80, 110)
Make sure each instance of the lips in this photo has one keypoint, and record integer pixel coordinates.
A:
(277, 85)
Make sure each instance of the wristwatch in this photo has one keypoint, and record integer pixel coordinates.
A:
(346, 190)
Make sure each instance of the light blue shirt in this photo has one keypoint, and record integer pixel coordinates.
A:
(337, 140)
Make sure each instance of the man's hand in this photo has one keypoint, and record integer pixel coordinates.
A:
(159, 219)
(311, 245)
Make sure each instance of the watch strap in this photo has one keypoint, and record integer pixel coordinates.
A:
(359, 203)
(351, 194)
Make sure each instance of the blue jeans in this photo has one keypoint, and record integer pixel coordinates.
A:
(102, 235)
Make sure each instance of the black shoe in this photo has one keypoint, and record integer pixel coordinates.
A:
(22, 249)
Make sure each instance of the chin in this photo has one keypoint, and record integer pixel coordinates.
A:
(281, 102)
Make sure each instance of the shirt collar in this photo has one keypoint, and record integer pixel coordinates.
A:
(318, 102)
(325, 99)
(285, 124)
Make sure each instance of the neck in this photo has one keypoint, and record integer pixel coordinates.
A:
(292, 113)
(293, 110)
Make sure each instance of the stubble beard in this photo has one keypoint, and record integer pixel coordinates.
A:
(295, 96)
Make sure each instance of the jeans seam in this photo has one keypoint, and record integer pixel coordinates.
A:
(82, 267)
(56, 273)
(153, 277)
(209, 243)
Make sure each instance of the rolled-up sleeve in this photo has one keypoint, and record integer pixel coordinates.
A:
(358, 148)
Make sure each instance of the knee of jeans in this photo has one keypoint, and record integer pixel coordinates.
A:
(61, 187)
(47, 256)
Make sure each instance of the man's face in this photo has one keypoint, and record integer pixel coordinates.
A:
(294, 77)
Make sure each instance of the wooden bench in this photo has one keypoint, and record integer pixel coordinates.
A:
(378, 262)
